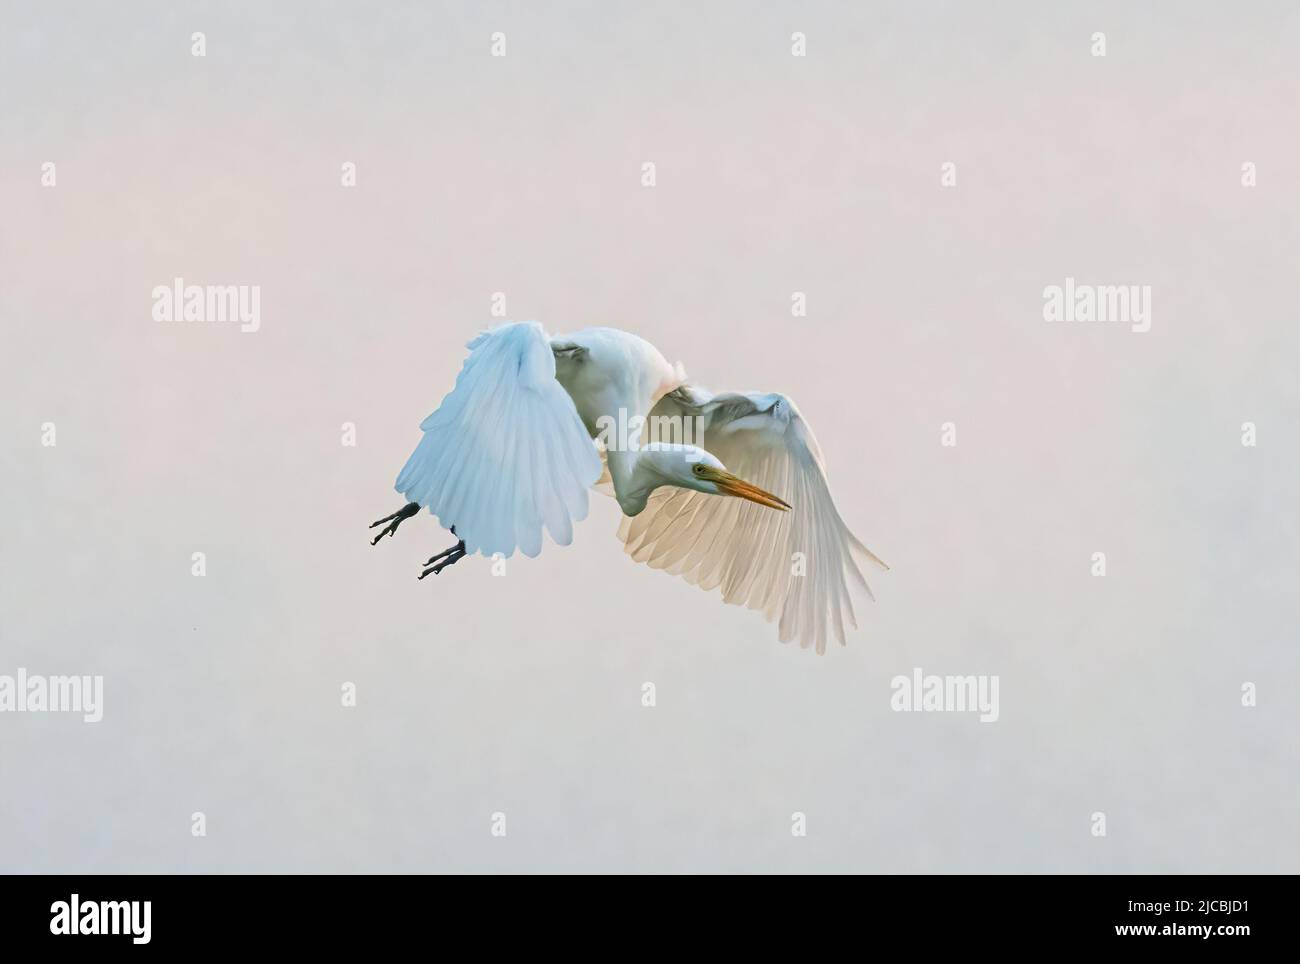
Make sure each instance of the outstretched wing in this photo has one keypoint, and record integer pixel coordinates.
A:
(505, 453)
(797, 566)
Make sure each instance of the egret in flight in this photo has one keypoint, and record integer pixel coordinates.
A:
(525, 433)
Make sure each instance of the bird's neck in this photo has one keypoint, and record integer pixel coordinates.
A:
(637, 474)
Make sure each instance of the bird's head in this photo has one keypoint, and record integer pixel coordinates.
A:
(697, 469)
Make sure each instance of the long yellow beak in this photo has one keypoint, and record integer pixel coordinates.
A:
(729, 484)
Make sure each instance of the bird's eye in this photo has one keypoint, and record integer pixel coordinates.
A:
(699, 469)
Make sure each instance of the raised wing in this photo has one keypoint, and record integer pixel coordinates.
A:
(505, 453)
(796, 566)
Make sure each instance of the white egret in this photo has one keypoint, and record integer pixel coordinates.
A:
(519, 440)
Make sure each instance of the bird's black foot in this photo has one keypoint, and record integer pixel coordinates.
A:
(394, 520)
(449, 557)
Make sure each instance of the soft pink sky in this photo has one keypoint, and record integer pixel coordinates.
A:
(775, 174)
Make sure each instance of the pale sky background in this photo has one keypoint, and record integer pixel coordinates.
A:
(775, 174)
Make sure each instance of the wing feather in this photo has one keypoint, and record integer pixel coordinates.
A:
(505, 454)
(747, 551)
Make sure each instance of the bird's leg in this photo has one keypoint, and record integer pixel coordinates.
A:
(394, 520)
(447, 552)
(452, 556)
